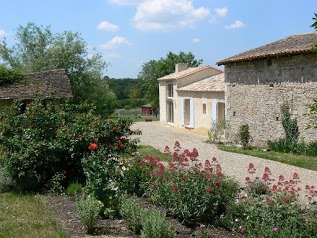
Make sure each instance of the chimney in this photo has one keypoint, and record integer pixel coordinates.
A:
(180, 67)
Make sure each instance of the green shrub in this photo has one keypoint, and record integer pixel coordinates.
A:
(10, 76)
(74, 189)
(45, 140)
(244, 135)
(156, 225)
(134, 175)
(88, 208)
(275, 212)
(197, 194)
(290, 125)
(132, 213)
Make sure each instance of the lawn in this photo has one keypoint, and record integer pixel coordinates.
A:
(27, 216)
(149, 150)
(302, 161)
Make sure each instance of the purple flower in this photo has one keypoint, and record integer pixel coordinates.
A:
(275, 228)
(261, 236)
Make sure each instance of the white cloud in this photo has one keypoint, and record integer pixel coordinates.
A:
(221, 12)
(195, 40)
(235, 25)
(217, 13)
(125, 2)
(115, 43)
(104, 25)
(3, 33)
(164, 15)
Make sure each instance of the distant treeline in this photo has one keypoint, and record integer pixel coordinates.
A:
(129, 92)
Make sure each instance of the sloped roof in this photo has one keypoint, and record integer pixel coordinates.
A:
(49, 84)
(211, 84)
(295, 44)
(186, 72)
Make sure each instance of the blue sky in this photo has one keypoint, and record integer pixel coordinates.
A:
(130, 32)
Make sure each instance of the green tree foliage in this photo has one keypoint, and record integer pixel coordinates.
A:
(38, 49)
(155, 69)
(9, 76)
(129, 92)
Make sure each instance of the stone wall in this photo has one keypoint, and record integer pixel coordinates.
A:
(256, 90)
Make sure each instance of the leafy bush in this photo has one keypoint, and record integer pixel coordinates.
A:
(132, 212)
(218, 128)
(46, 140)
(194, 194)
(156, 225)
(282, 145)
(10, 76)
(88, 208)
(135, 174)
(74, 189)
(290, 125)
(244, 135)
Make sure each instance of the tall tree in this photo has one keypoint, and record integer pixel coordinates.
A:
(38, 49)
(155, 69)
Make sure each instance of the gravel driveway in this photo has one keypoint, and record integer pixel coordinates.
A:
(233, 165)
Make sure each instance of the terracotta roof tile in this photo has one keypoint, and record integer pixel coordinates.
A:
(186, 72)
(211, 84)
(52, 83)
(295, 44)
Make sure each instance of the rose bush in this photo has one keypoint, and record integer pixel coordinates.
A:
(43, 139)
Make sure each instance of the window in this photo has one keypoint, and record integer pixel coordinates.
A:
(204, 108)
(170, 92)
(170, 111)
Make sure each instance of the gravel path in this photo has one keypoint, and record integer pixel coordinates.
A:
(233, 165)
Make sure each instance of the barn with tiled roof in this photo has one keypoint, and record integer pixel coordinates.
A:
(259, 81)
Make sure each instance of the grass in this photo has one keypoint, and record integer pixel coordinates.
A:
(302, 161)
(26, 216)
(137, 118)
(149, 150)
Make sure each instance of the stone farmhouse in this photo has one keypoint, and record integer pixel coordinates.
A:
(259, 81)
(48, 84)
(192, 98)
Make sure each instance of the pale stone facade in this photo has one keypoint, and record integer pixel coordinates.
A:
(192, 98)
(257, 87)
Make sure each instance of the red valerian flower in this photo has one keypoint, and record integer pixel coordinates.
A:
(295, 176)
(217, 183)
(208, 188)
(174, 187)
(31, 104)
(92, 146)
(251, 169)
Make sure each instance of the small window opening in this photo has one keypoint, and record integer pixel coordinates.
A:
(204, 108)
(234, 113)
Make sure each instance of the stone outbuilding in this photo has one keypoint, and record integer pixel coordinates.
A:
(48, 84)
(259, 81)
(192, 98)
